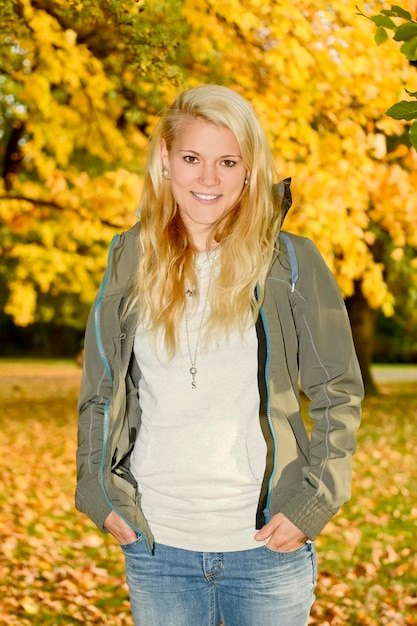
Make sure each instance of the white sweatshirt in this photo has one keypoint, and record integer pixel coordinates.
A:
(199, 457)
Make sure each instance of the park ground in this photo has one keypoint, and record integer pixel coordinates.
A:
(56, 568)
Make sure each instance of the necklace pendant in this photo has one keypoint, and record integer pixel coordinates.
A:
(193, 372)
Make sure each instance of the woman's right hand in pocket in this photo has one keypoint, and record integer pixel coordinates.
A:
(119, 528)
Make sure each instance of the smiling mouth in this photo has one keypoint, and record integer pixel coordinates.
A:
(205, 196)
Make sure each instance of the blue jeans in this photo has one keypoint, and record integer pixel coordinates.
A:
(248, 588)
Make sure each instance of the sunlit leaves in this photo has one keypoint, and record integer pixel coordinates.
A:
(83, 81)
(63, 569)
(79, 83)
(321, 90)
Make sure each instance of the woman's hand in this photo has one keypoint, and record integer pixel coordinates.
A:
(119, 528)
(281, 534)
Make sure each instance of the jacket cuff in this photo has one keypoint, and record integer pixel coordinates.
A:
(96, 508)
(307, 513)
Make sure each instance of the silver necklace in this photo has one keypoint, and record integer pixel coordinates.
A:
(190, 293)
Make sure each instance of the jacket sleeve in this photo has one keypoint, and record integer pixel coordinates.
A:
(330, 377)
(95, 392)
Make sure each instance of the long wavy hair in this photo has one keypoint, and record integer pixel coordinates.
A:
(246, 234)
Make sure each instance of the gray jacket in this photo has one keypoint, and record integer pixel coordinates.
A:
(304, 339)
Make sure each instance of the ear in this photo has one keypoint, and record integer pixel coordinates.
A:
(164, 153)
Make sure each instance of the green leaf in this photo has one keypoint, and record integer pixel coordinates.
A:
(399, 12)
(409, 49)
(403, 110)
(384, 21)
(406, 32)
(381, 36)
(413, 134)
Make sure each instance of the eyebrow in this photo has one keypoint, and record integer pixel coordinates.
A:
(224, 156)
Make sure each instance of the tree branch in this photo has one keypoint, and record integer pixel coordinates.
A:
(53, 205)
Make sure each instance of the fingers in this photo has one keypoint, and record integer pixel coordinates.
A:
(119, 528)
(281, 534)
(269, 528)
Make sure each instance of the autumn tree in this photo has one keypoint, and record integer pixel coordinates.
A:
(321, 89)
(399, 23)
(79, 84)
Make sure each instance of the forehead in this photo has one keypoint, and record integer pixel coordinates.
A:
(202, 136)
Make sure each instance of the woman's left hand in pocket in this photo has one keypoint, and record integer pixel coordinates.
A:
(281, 534)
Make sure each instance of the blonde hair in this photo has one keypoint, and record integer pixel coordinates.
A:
(246, 234)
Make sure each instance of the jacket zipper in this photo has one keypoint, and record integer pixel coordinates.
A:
(294, 278)
(106, 406)
(267, 512)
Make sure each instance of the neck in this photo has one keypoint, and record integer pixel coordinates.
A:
(204, 245)
(202, 239)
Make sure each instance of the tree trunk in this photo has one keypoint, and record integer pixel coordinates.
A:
(363, 320)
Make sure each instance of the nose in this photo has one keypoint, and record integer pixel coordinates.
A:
(209, 175)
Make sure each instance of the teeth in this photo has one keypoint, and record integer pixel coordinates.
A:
(203, 196)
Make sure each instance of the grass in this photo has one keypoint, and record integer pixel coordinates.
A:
(56, 568)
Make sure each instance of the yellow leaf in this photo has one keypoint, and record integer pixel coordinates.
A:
(30, 605)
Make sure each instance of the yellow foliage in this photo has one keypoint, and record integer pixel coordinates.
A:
(375, 289)
(21, 304)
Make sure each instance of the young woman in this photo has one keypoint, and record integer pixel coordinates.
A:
(192, 450)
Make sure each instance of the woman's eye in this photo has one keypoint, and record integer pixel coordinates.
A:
(189, 158)
(228, 163)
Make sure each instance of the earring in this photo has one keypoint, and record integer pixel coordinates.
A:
(165, 173)
(246, 181)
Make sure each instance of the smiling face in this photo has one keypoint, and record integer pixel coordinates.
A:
(207, 176)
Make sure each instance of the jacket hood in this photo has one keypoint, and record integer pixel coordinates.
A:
(281, 193)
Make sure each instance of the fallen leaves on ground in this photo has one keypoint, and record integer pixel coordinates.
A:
(57, 568)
